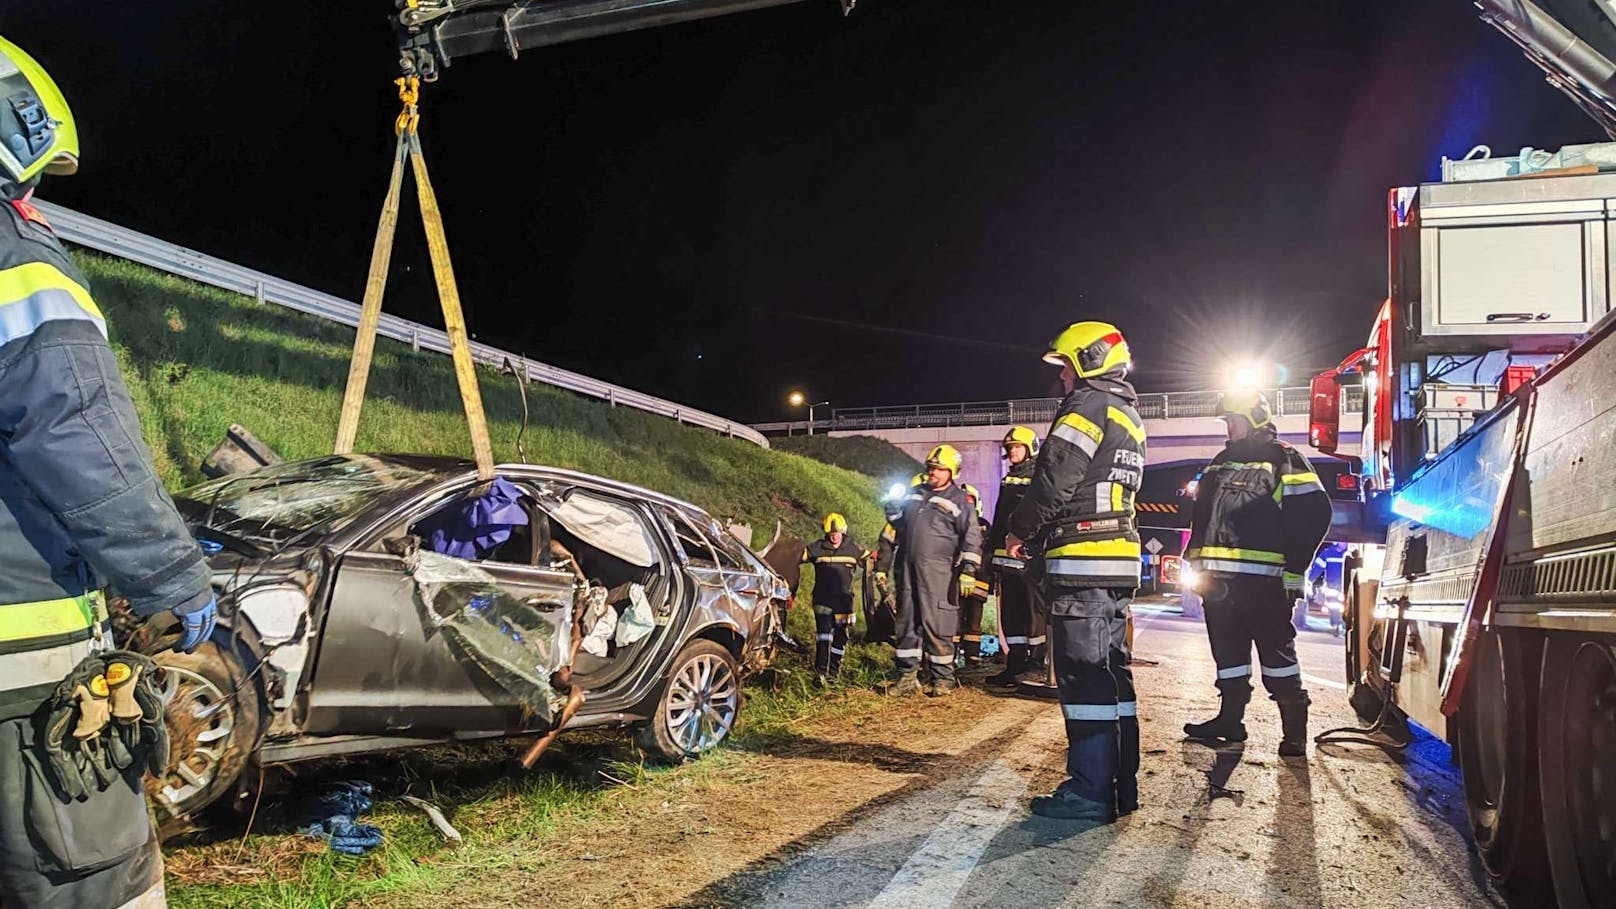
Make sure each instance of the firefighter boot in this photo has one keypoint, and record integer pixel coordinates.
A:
(905, 685)
(1229, 725)
(1127, 765)
(1293, 726)
(1091, 765)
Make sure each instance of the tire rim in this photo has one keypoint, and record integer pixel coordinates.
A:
(703, 699)
(1590, 755)
(1491, 723)
(201, 721)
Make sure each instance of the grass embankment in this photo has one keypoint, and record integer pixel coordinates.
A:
(198, 359)
(864, 454)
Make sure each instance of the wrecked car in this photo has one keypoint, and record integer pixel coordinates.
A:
(375, 602)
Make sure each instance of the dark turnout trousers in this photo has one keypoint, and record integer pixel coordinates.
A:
(1094, 674)
(1247, 609)
(831, 624)
(928, 617)
(1022, 624)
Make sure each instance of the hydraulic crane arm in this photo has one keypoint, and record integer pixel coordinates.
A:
(1572, 41)
(434, 32)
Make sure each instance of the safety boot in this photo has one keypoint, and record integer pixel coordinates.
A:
(1067, 805)
(905, 685)
(941, 688)
(1229, 725)
(1293, 728)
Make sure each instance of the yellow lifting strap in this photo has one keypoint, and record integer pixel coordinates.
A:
(454, 322)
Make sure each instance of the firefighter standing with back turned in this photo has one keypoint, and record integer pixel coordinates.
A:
(80, 505)
(939, 550)
(1021, 626)
(1260, 514)
(1079, 510)
(834, 558)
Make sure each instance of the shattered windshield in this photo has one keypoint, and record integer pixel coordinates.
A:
(275, 504)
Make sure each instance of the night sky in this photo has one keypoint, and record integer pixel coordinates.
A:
(897, 207)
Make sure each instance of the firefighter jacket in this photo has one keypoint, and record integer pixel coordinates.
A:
(833, 570)
(80, 503)
(1079, 507)
(1011, 490)
(886, 550)
(1259, 510)
(938, 527)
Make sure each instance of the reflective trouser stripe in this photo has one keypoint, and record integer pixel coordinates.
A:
(1015, 639)
(1036, 641)
(1127, 708)
(1089, 711)
(823, 610)
(909, 654)
(34, 293)
(972, 637)
(822, 637)
(1235, 672)
(47, 666)
(838, 651)
(844, 618)
(1281, 672)
(946, 660)
(1228, 567)
(49, 620)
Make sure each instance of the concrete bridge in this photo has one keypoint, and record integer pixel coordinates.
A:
(1181, 427)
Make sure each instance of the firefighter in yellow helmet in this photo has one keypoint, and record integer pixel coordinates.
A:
(1078, 515)
(1260, 514)
(938, 552)
(972, 602)
(80, 508)
(834, 558)
(1022, 624)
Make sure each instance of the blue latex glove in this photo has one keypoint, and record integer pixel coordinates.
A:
(198, 625)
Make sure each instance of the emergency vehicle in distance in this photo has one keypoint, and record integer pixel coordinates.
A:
(1489, 457)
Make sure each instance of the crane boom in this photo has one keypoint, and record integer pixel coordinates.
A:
(432, 33)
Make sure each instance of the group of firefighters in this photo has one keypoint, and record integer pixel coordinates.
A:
(81, 508)
(1064, 555)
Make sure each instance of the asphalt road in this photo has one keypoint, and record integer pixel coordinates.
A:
(1235, 826)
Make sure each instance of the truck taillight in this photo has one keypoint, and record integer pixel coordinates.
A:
(1346, 481)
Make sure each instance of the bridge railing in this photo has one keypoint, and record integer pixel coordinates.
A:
(1039, 412)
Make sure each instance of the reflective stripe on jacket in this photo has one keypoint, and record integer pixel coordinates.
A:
(1080, 504)
(1259, 510)
(80, 503)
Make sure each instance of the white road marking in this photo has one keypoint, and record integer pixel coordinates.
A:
(938, 870)
(1325, 682)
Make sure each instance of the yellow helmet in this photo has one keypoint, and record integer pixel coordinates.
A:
(974, 496)
(1020, 435)
(1093, 349)
(945, 456)
(835, 523)
(1245, 403)
(37, 132)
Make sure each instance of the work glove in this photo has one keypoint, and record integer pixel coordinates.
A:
(967, 585)
(882, 583)
(137, 709)
(75, 751)
(198, 625)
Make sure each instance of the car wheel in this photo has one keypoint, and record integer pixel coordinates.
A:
(1497, 751)
(211, 734)
(1576, 751)
(699, 704)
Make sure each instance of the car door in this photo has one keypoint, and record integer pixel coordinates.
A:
(417, 644)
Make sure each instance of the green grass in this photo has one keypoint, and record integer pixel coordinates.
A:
(198, 359)
(868, 455)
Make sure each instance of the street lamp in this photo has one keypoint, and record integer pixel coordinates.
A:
(798, 399)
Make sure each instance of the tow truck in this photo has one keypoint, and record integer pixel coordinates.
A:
(1489, 459)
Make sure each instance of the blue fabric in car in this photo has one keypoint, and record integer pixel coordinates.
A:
(475, 528)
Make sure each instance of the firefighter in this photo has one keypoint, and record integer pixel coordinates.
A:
(80, 506)
(1021, 626)
(972, 603)
(1260, 514)
(1079, 511)
(834, 557)
(938, 552)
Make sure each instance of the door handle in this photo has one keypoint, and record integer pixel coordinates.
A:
(1517, 317)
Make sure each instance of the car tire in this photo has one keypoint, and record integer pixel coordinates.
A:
(211, 735)
(1497, 752)
(1576, 749)
(698, 706)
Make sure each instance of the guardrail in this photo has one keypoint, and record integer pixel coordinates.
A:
(1291, 401)
(84, 230)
